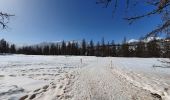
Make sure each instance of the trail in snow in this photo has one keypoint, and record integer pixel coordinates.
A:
(98, 82)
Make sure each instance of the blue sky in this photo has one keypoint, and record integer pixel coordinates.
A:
(54, 20)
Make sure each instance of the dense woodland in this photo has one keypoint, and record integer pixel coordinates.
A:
(154, 48)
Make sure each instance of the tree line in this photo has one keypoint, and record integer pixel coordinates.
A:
(154, 48)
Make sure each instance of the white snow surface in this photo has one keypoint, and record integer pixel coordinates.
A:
(132, 41)
(82, 78)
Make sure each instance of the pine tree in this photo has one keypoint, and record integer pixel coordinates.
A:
(7, 48)
(167, 50)
(113, 49)
(125, 49)
(63, 48)
(77, 49)
(4, 46)
(84, 47)
(140, 49)
(103, 48)
(57, 49)
(118, 50)
(153, 48)
(52, 49)
(91, 48)
(97, 51)
(46, 50)
(39, 50)
(13, 49)
(108, 50)
(69, 49)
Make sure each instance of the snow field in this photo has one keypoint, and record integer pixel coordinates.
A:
(24, 77)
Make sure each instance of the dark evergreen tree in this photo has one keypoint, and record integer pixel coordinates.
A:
(108, 50)
(63, 48)
(38, 50)
(140, 49)
(91, 48)
(118, 50)
(113, 49)
(153, 49)
(57, 49)
(125, 48)
(46, 50)
(53, 49)
(69, 49)
(97, 50)
(77, 49)
(13, 49)
(103, 48)
(84, 47)
(167, 48)
(4, 46)
(7, 48)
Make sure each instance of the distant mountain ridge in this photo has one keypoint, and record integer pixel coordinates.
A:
(144, 40)
(43, 44)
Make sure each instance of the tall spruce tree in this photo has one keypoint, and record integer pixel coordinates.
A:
(167, 47)
(125, 48)
(153, 48)
(91, 48)
(140, 49)
(46, 50)
(97, 50)
(63, 48)
(13, 49)
(108, 49)
(113, 49)
(53, 49)
(84, 47)
(4, 46)
(103, 48)
(69, 49)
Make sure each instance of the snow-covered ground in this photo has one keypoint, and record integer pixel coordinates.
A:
(82, 78)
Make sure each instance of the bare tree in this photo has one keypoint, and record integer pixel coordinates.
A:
(160, 7)
(4, 19)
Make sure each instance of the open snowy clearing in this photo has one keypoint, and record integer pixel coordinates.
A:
(82, 78)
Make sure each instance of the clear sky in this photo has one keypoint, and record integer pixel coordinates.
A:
(54, 20)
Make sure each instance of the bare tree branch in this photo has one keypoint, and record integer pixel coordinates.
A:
(161, 7)
(105, 2)
(153, 3)
(4, 19)
(159, 29)
(155, 11)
